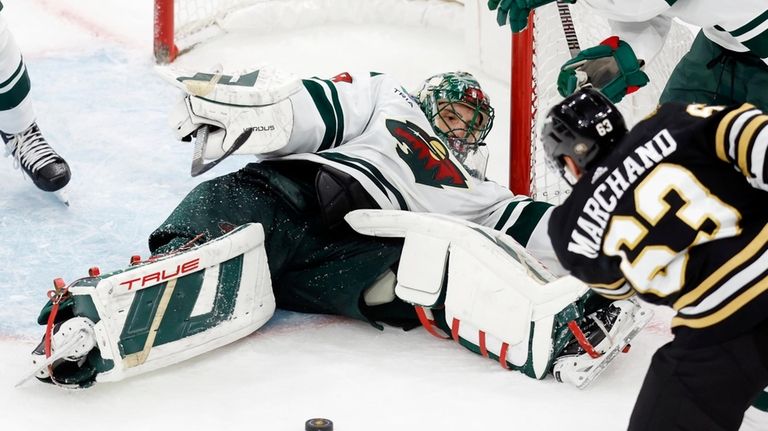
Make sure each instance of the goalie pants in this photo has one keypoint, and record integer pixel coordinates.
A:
(703, 389)
(314, 268)
(713, 75)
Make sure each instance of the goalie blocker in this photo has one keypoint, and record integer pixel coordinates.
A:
(154, 314)
(487, 293)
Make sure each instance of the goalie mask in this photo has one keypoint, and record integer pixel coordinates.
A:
(585, 127)
(461, 115)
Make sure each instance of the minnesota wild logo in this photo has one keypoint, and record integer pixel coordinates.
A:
(426, 155)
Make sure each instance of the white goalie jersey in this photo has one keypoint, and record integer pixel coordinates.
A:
(368, 126)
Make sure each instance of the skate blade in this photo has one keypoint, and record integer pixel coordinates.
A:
(62, 196)
(63, 351)
(639, 319)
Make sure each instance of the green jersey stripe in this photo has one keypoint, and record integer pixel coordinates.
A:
(507, 213)
(369, 171)
(523, 227)
(750, 25)
(758, 44)
(13, 96)
(19, 69)
(325, 109)
(339, 113)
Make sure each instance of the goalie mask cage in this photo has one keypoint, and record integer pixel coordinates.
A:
(537, 54)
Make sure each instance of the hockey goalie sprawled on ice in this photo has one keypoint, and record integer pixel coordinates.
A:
(367, 202)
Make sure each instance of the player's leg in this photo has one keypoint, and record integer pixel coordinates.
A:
(697, 76)
(314, 269)
(751, 80)
(487, 293)
(153, 314)
(223, 272)
(18, 128)
(706, 388)
(334, 271)
(715, 76)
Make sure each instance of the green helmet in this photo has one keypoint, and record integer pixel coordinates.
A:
(461, 114)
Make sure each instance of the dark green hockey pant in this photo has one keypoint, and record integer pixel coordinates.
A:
(314, 269)
(715, 76)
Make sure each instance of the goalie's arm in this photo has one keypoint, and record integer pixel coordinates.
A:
(272, 114)
(329, 112)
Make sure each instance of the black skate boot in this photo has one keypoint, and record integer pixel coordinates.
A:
(39, 161)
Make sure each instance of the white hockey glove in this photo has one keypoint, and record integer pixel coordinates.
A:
(233, 114)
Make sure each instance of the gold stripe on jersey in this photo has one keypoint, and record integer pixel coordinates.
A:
(628, 294)
(747, 140)
(609, 290)
(610, 286)
(726, 311)
(723, 130)
(749, 252)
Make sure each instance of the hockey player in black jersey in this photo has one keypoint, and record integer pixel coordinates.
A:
(673, 211)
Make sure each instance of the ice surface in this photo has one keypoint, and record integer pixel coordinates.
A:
(103, 107)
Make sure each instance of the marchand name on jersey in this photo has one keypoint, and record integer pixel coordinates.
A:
(591, 224)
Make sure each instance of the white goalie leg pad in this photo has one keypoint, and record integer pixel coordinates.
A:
(177, 307)
(496, 291)
(251, 110)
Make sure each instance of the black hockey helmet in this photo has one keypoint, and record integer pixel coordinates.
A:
(584, 126)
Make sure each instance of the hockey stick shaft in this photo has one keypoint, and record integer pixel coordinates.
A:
(566, 21)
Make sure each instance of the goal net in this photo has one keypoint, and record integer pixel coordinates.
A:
(536, 59)
(181, 24)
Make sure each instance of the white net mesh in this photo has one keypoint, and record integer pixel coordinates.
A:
(198, 20)
(551, 51)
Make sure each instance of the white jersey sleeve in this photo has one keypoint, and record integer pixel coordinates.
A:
(368, 126)
(737, 26)
(645, 37)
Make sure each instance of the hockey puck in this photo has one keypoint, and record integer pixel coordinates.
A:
(318, 424)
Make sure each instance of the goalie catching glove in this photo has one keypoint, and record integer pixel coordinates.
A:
(157, 313)
(232, 114)
(611, 67)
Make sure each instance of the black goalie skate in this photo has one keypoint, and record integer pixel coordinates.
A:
(598, 339)
(39, 161)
